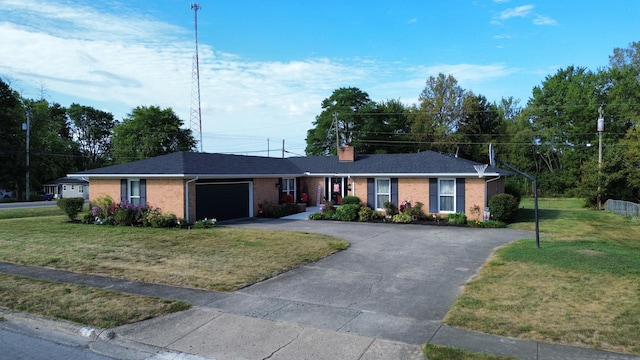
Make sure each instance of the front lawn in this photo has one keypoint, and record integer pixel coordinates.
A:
(582, 287)
(220, 258)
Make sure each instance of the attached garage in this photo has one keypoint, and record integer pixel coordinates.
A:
(224, 200)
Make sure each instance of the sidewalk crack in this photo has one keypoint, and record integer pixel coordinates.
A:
(285, 345)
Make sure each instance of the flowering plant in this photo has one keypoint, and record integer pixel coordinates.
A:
(405, 206)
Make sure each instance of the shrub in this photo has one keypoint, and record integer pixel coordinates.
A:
(328, 211)
(128, 214)
(348, 200)
(366, 214)
(155, 218)
(315, 216)
(416, 211)
(457, 218)
(503, 207)
(102, 207)
(488, 224)
(205, 223)
(403, 218)
(71, 206)
(390, 208)
(271, 210)
(348, 212)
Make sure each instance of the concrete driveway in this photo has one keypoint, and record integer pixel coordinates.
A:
(395, 281)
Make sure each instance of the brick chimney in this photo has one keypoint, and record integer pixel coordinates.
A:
(347, 154)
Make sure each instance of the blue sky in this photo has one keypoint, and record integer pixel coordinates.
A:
(265, 66)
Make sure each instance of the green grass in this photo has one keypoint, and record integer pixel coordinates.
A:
(436, 352)
(30, 212)
(81, 304)
(582, 287)
(220, 258)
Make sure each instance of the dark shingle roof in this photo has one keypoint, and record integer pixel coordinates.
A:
(225, 165)
(204, 164)
(426, 162)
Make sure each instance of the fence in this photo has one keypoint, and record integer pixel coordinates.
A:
(625, 208)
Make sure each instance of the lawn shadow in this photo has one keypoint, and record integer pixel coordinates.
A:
(528, 215)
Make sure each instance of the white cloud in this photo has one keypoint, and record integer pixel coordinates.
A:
(543, 20)
(520, 11)
(412, 21)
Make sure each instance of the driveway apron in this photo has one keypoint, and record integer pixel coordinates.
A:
(394, 282)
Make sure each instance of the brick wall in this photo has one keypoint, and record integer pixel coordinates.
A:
(264, 190)
(168, 195)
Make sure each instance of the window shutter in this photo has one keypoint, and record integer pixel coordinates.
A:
(371, 193)
(433, 195)
(460, 195)
(143, 192)
(124, 196)
(394, 191)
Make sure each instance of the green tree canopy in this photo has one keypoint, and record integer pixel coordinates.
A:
(148, 132)
(12, 146)
(92, 131)
(344, 104)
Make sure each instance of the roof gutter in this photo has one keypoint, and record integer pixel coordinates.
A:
(186, 188)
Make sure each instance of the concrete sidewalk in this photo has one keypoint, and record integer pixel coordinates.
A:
(376, 300)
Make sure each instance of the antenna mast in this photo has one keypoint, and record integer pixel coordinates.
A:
(196, 110)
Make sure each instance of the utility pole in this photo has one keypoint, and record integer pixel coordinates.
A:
(28, 128)
(600, 130)
(335, 119)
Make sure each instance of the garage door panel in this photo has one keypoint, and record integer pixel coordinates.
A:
(222, 201)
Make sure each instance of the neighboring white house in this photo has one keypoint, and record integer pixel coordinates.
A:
(67, 187)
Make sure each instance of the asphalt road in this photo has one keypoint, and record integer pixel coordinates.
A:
(21, 205)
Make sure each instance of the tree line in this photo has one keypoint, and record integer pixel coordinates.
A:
(553, 136)
(68, 139)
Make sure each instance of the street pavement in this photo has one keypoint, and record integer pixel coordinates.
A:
(380, 299)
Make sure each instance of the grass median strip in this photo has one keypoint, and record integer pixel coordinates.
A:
(81, 304)
(582, 287)
(437, 352)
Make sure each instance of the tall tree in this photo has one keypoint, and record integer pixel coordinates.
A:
(385, 129)
(12, 143)
(53, 151)
(479, 123)
(435, 121)
(148, 132)
(92, 129)
(345, 103)
(626, 57)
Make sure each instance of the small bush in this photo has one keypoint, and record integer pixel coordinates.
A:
(205, 223)
(128, 214)
(71, 206)
(503, 207)
(348, 212)
(390, 208)
(416, 211)
(348, 200)
(271, 210)
(487, 224)
(402, 218)
(366, 214)
(316, 216)
(328, 211)
(155, 218)
(457, 218)
(102, 207)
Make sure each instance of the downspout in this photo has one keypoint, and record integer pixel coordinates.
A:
(186, 188)
(486, 188)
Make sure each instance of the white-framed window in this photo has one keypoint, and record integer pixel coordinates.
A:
(134, 191)
(383, 192)
(81, 189)
(288, 186)
(447, 195)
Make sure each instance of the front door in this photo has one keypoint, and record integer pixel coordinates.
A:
(335, 189)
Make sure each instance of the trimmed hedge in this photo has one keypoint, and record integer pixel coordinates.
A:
(71, 206)
(503, 207)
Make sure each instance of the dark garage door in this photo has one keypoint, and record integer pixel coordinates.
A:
(222, 201)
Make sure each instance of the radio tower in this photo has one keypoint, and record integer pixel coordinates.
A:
(196, 110)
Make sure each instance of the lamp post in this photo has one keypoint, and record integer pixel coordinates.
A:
(600, 130)
(27, 126)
